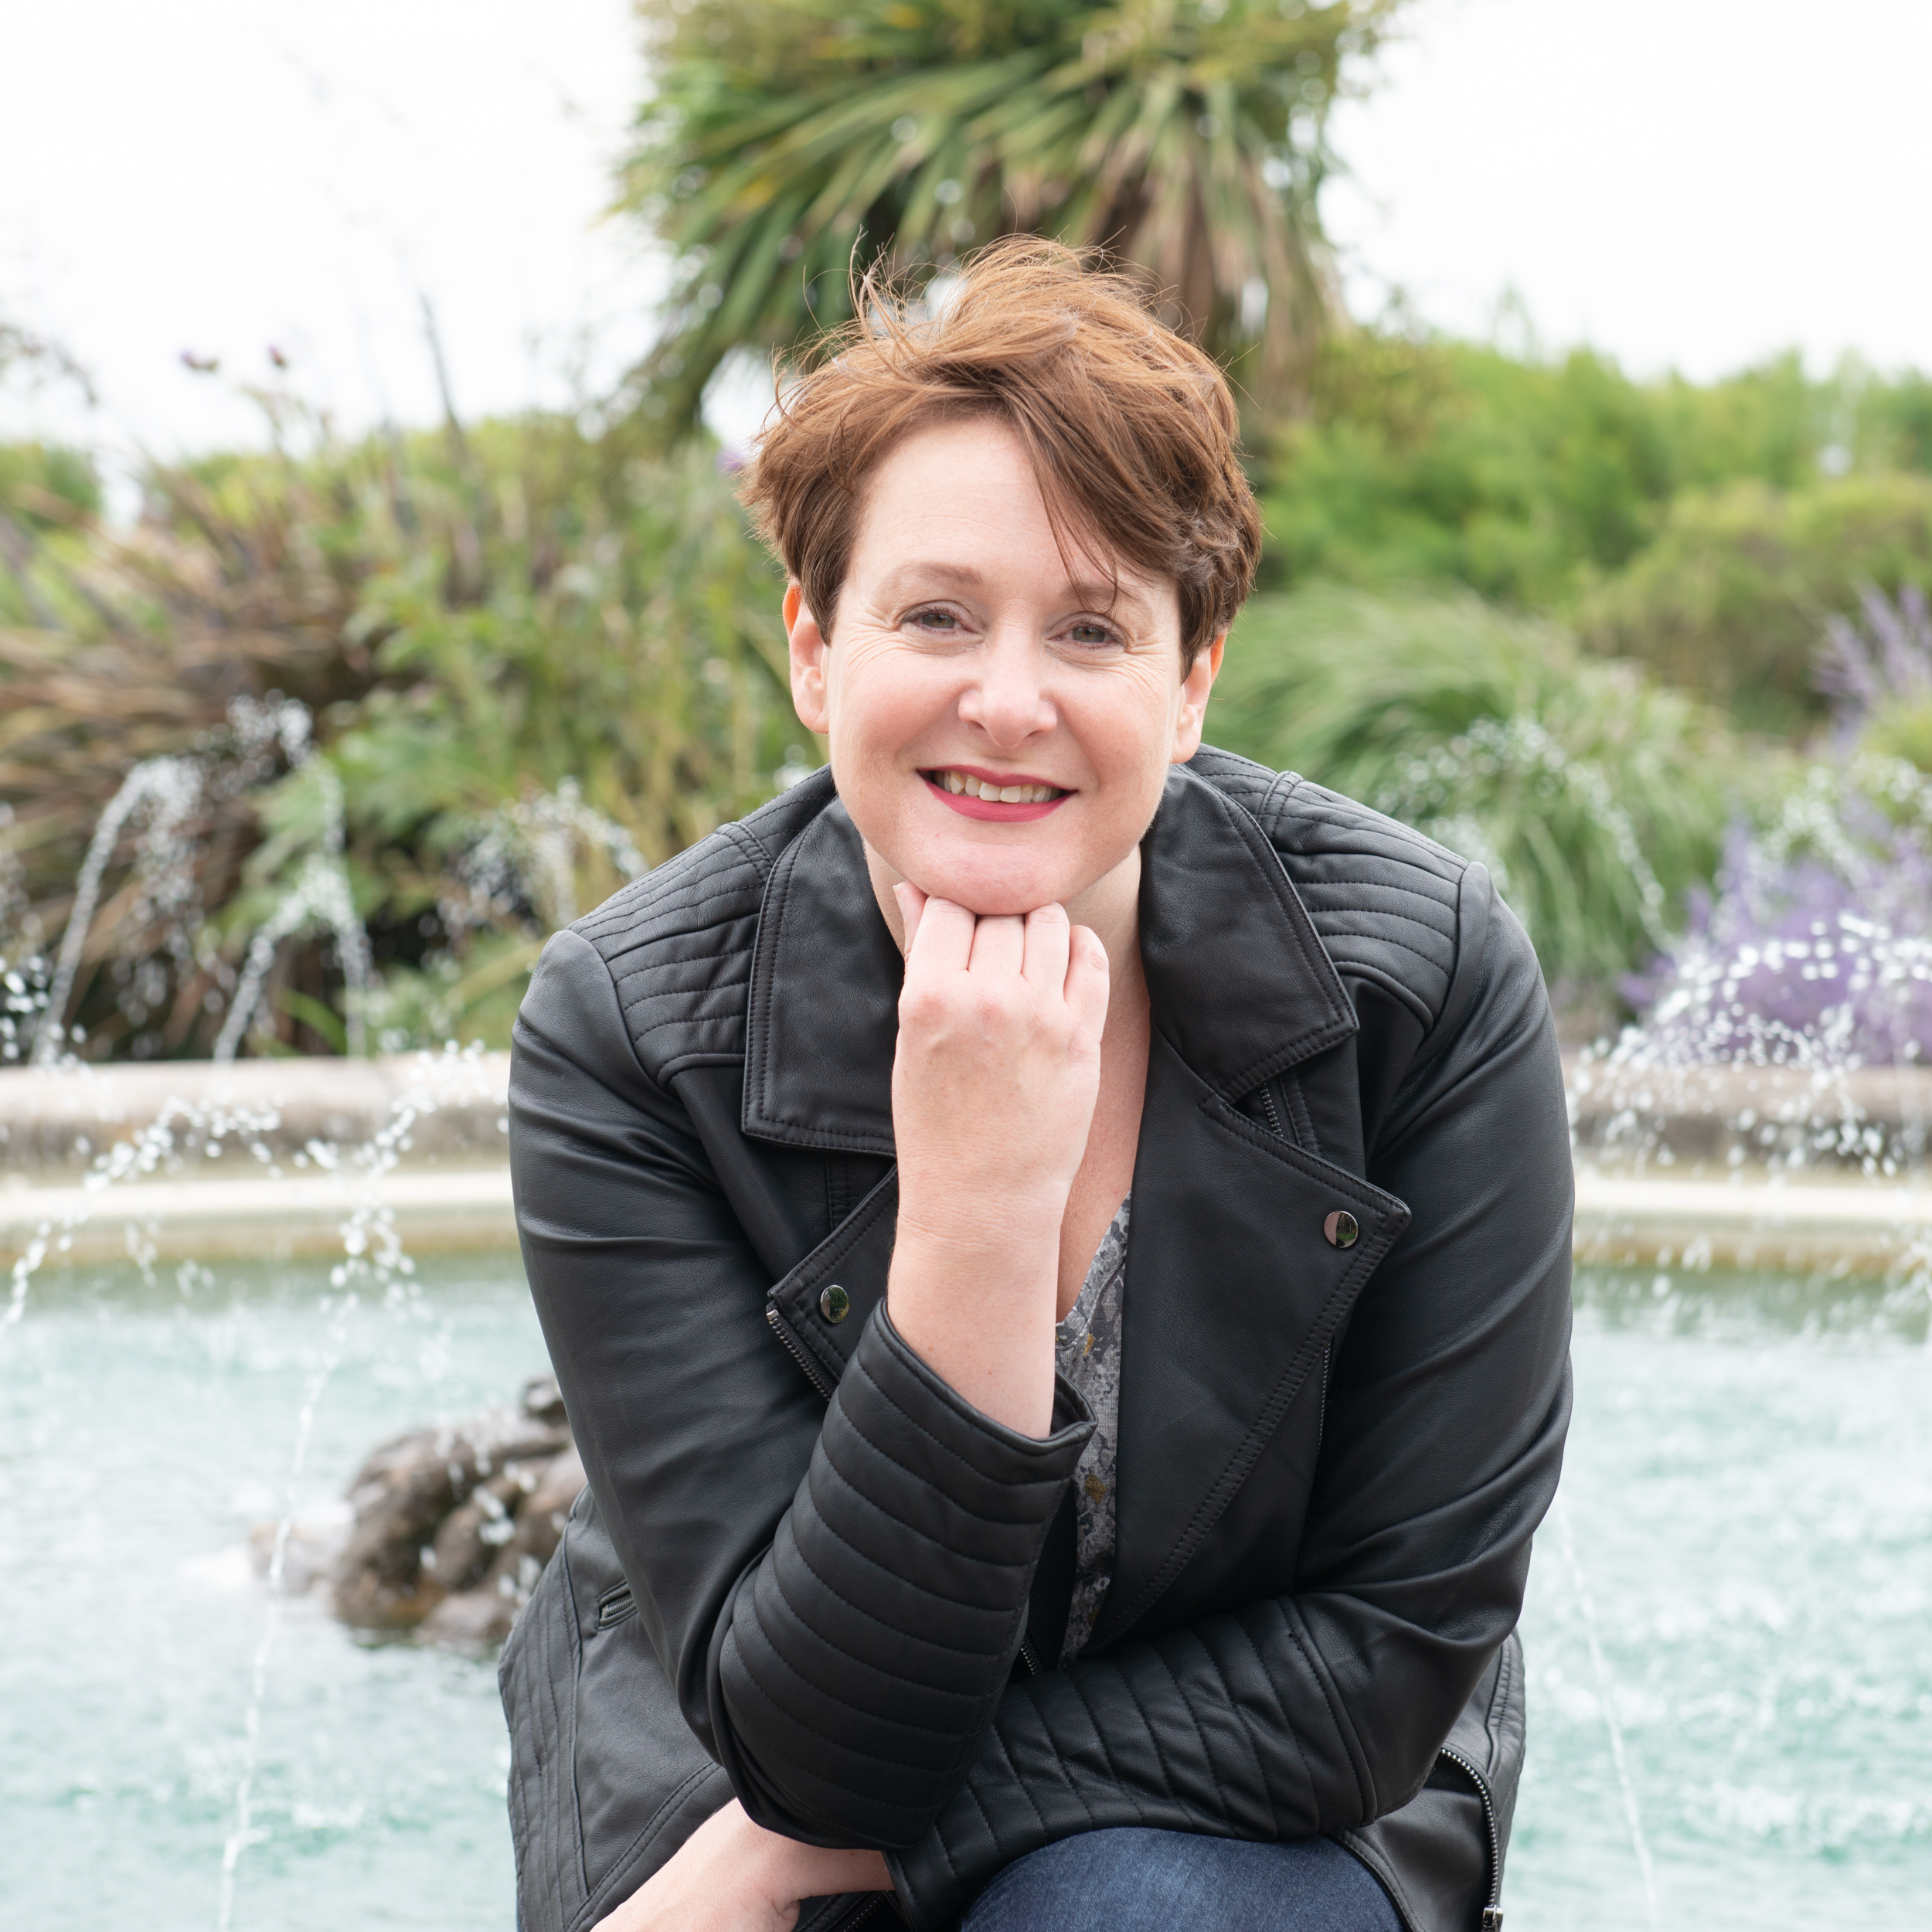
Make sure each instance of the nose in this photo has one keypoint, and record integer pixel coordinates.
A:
(1007, 698)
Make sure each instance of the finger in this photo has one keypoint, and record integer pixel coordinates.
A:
(944, 942)
(999, 945)
(1048, 935)
(1086, 981)
(912, 905)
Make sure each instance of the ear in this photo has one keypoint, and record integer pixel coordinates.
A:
(808, 650)
(1194, 687)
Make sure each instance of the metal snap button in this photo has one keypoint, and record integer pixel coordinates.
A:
(835, 1305)
(1342, 1228)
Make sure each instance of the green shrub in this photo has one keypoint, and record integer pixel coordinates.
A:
(1730, 599)
(1595, 797)
(1891, 424)
(1423, 458)
(474, 620)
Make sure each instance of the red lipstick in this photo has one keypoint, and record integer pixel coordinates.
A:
(992, 809)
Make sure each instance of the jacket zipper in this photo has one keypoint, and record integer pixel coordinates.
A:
(1030, 1657)
(1268, 1107)
(859, 1913)
(1492, 1920)
(614, 1605)
(795, 1349)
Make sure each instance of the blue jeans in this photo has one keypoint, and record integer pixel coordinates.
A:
(1134, 1880)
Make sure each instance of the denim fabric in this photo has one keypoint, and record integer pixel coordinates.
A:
(1134, 1880)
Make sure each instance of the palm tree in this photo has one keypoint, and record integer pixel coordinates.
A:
(1185, 137)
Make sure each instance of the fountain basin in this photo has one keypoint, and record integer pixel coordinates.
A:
(270, 1158)
(52, 1118)
(1751, 1220)
(272, 1215)
(1725, 1112)
(65, 1117)
(1759, 1219)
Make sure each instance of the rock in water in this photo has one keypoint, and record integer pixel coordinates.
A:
(479, 1617)
(452, 1527)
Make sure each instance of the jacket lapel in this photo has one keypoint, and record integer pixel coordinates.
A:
(822, 1017)
(1233, 1296)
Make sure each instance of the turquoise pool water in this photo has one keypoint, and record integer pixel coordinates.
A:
(1748, 1502)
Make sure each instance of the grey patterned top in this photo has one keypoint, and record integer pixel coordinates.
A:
(1087, 1352)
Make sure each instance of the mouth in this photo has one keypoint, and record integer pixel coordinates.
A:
(994, 795)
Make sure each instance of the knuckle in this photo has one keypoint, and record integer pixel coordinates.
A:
(922, 1006)
(990, 1006)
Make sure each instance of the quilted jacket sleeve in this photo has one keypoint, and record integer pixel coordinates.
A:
(1447, 1406)
(764, 1535)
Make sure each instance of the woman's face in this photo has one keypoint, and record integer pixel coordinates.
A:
(966, 659)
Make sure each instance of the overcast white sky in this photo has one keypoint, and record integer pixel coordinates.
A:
(1688, 182)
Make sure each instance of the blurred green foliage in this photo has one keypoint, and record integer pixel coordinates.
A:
(1731, 596)
(1901, 729)
(1596, 797)
(785, 138)
(43, 485)
(1706, 529)
(1421, 458)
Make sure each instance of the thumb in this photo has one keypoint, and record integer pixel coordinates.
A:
(1087, 982)
(912, 910)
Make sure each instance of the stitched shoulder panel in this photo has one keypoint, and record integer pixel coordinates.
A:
(1382, 897)
(678, 941)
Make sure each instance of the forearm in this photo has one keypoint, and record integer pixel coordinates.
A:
(863, 1658)
(994, 1083)
(1235, 1727)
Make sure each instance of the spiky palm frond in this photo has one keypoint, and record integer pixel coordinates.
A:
(1185, 136)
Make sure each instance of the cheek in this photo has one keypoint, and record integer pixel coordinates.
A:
(1130, 734)
(879, 702)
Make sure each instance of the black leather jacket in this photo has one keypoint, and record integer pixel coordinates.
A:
(805, 1571)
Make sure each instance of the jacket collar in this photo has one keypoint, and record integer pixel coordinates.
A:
(1240, 983)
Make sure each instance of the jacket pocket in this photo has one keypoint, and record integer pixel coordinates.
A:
(1440, 1857)
(607, 1780)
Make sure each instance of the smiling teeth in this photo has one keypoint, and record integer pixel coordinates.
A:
(960, 785)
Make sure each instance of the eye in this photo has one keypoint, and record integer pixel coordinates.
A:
(1088, 634)
(936, 618)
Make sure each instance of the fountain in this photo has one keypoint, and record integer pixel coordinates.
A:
(319, 896)
(159, 799)
(159, 794)
(522, 858)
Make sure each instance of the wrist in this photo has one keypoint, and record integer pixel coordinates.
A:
(775, 1864)
(995, 1229)
(784, 1871)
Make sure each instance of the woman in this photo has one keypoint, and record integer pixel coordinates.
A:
(1056, 1241)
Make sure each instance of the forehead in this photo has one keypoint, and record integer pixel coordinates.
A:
(956, 504)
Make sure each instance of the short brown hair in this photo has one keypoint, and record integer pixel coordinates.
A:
(1130, 428)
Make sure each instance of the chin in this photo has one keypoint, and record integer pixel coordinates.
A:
(989, 889)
